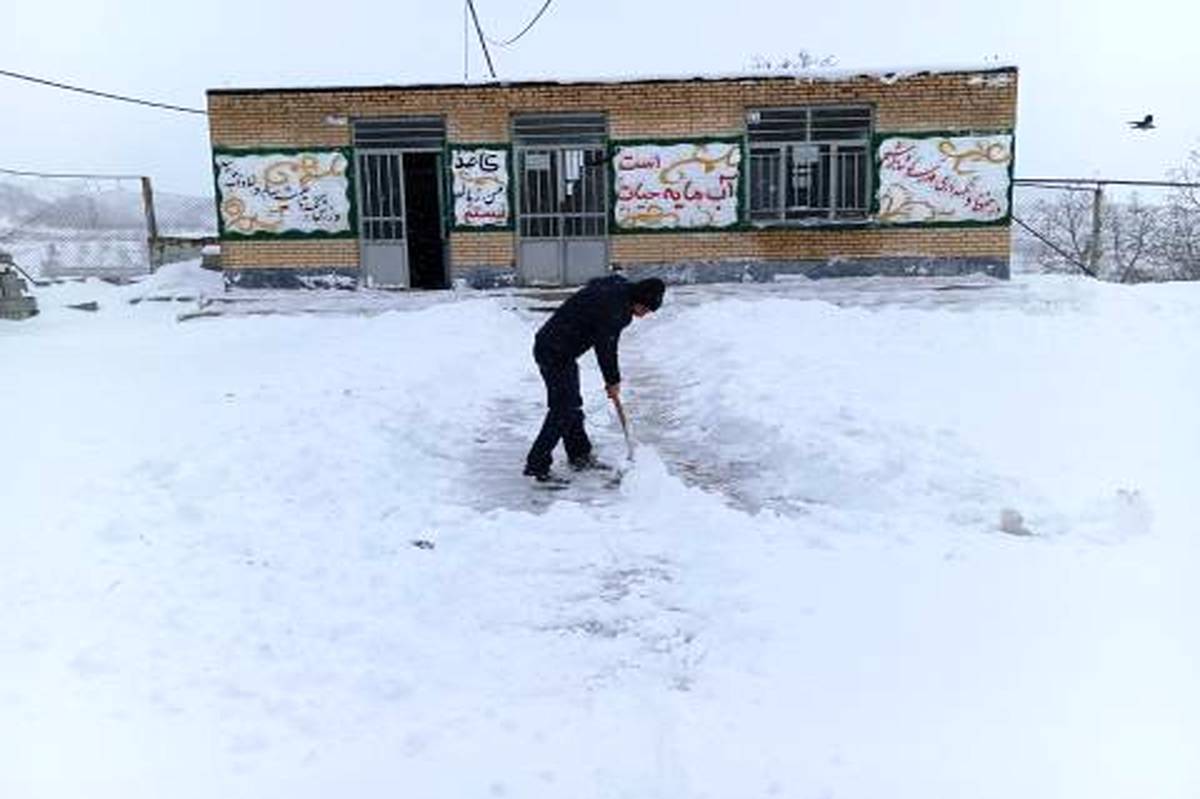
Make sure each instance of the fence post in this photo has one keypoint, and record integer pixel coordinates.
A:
(1094, 250)
(151, 223)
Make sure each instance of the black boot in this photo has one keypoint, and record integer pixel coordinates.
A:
(546, 477)
(589, 462)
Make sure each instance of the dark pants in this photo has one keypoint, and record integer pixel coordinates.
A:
(564, 418)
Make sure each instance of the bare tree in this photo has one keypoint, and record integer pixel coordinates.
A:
(1182, 241)
(1135, 232)
(1188, 196)
(1133, 237)
(1182, 221)
(1065, 225)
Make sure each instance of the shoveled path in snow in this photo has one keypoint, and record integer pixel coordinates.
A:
(514, 416)
(629, 605)
(726, 461)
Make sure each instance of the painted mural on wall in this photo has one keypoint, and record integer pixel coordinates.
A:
(942, 178)
(479, 183)
(676, 185)
(284, 193)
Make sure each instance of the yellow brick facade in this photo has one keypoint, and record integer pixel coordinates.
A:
(483, 249)
(300, 253)
(966, 101)
(791, 244)
(950, 101)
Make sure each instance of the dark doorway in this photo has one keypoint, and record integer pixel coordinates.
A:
(423, 212)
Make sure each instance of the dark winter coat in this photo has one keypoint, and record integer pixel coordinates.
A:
(591, 318)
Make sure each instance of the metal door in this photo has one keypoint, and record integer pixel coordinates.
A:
(562, 198)
(381, 218)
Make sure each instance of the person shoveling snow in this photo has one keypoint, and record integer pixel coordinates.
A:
(591, 318)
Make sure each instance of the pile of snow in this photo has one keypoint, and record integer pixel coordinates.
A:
(178, 282)
(293, 555)
(944, 414)
(184, 280)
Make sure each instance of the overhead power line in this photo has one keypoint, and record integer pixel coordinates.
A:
(1093, 182)
(482, 38)
(106, 95)
(24, 174)
(524, 30)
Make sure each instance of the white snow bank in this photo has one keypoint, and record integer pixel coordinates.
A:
(177, 282)
(1063, 415)
(184, 279)
(251, 557)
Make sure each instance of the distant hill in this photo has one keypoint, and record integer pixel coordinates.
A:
(16, 203)
(79, 205)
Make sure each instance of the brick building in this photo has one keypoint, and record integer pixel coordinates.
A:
(554, 182)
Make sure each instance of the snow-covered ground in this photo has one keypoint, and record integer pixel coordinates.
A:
(291, 555)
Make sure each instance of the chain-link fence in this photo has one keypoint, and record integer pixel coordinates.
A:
(183, 224)
(1121, 231)
(112, 226)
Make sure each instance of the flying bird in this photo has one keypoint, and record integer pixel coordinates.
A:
(1143, 124)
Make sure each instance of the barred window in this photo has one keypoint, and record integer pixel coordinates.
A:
(809, 164)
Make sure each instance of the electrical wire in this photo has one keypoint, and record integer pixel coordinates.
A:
(105, 95)
(482, 38)
(524, 30)
(1070, 258)
(24, 174)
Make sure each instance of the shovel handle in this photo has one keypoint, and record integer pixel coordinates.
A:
(624, 425)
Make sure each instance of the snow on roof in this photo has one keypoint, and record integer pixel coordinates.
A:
(815, 75)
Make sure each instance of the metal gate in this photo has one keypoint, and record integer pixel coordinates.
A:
(562, 197)
(381, 218)
(381, 145)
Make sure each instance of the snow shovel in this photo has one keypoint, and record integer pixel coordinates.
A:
(624, 425)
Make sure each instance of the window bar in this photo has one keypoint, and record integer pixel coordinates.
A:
(389, 191)
(835, 163)
(541, 228)
(401, 200)
(401, 222)
(362, 199)
(860, 174)
(373, 186)
(590, 193)
(389, 197)
(381, 209)
(784, 183)
(385, 196)
(527, 194)
(533, 196)
(546, 206)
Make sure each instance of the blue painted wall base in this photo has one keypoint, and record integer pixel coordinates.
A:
(490, 277)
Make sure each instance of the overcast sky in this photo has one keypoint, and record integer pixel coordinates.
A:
(1086, 66)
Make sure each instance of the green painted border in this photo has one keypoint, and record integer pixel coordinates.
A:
(351, 188)
(742, 204)
(877, 139)
(448, 187)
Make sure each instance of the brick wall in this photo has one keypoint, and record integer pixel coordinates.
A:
(974, 242)
(483, 249)
(636, 110)
(299, 253)
(649, 109)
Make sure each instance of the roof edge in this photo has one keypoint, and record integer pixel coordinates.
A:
(816, 76)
